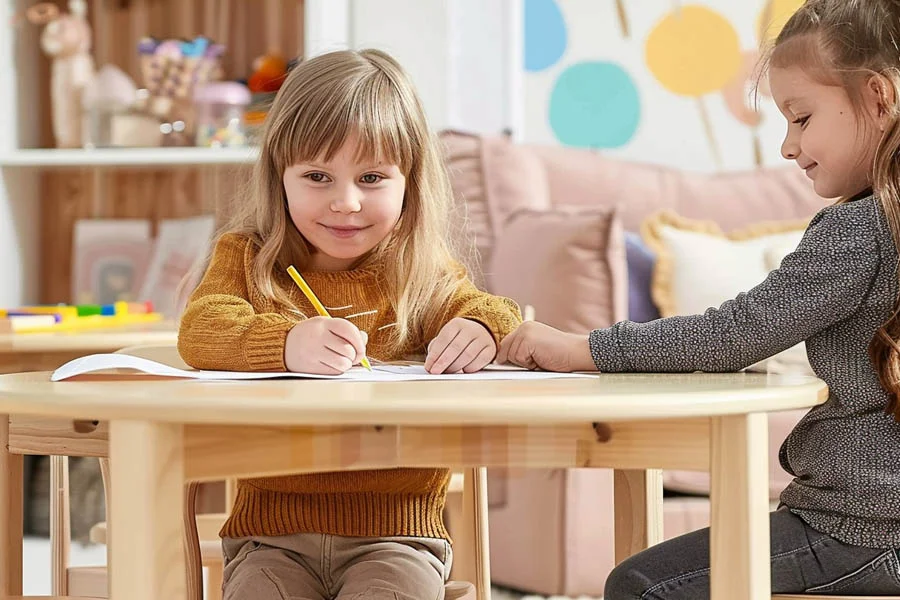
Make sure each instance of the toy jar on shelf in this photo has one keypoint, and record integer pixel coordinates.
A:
(171, 71)
(220, 109)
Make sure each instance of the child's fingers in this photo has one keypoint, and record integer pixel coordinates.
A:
(348, 332)
(336, 361)
(505, 344)
(520, 352)
(466, 356)
(439, 344)
(449, 354)
(340, 346)
(483, 359)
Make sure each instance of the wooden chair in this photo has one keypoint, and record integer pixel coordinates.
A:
(203, 546)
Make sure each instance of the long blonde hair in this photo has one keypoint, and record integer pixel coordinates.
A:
(844, 43)
(324, 101)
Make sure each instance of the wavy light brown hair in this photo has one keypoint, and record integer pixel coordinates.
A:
(323, 102)
(846, 43)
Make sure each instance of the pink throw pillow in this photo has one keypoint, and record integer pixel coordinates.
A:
(569, 264)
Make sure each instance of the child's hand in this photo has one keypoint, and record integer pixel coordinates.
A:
(324, 346)
(462, 346)
(537, 346)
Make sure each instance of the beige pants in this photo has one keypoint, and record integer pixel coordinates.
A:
(312, 566)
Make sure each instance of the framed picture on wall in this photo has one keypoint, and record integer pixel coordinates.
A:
(109, 259)
(179, 245)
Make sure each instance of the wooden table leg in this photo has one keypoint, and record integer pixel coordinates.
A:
(146, 518)
(638, 510)
(739, 506)
(473, 550)
(11, 515)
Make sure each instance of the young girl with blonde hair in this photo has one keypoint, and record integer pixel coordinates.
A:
(834, 72)
(350, 188)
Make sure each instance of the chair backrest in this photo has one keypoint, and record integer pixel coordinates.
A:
(166, 354)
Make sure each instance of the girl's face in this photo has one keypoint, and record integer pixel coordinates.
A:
(343, 208)
(825, 136)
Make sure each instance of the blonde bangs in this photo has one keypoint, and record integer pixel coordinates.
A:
(368, 107)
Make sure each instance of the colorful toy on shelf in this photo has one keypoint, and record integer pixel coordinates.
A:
(268, 74)
(74, 318)
(172, 69)
(220, 110)
(66, 39)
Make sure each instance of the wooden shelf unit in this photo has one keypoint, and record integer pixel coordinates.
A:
(48, 189)
(53, 158)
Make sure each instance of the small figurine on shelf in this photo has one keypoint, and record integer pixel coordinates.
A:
(67, 40)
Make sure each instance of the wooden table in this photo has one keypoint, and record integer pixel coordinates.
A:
(21, 352)
(46, 351)
(165, 433)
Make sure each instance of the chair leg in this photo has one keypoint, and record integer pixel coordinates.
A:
(105, 474)
(192, 543)
(214, 577)
(453, 511)
(60, 524)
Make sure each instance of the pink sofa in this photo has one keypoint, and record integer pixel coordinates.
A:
(550, 212)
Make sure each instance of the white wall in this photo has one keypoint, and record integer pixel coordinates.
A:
(458, 53)
(18, 189)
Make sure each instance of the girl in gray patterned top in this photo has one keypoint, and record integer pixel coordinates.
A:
(834, 72)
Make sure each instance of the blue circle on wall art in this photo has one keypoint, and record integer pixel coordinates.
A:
(545, 34)
(594, 105)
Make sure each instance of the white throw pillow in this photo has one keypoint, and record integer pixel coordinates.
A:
(698, 267)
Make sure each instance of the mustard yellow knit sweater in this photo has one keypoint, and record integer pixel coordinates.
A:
(228, 325)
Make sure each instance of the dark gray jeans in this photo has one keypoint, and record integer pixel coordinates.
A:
(803, 560)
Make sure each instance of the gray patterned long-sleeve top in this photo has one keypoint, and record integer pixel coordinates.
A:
(834, 292)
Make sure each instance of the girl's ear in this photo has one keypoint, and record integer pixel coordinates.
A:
(880, 99)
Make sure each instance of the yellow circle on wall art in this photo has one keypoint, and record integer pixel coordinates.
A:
(773, 17)
(693, 51)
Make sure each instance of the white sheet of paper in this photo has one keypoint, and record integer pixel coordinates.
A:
(383, 372)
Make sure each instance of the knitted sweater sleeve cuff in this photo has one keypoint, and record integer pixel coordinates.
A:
(498, 315)
(264, 343)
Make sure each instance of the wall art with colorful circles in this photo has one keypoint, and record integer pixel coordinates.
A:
(662, 81)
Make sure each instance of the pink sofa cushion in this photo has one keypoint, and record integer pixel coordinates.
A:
(569, 264)
(491, 179)
(579, 177)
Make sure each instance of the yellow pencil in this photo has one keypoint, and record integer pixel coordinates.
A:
(307, 291)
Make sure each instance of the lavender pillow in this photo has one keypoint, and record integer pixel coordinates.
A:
(640, 261)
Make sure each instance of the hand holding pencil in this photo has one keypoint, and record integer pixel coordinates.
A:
(323, 345)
